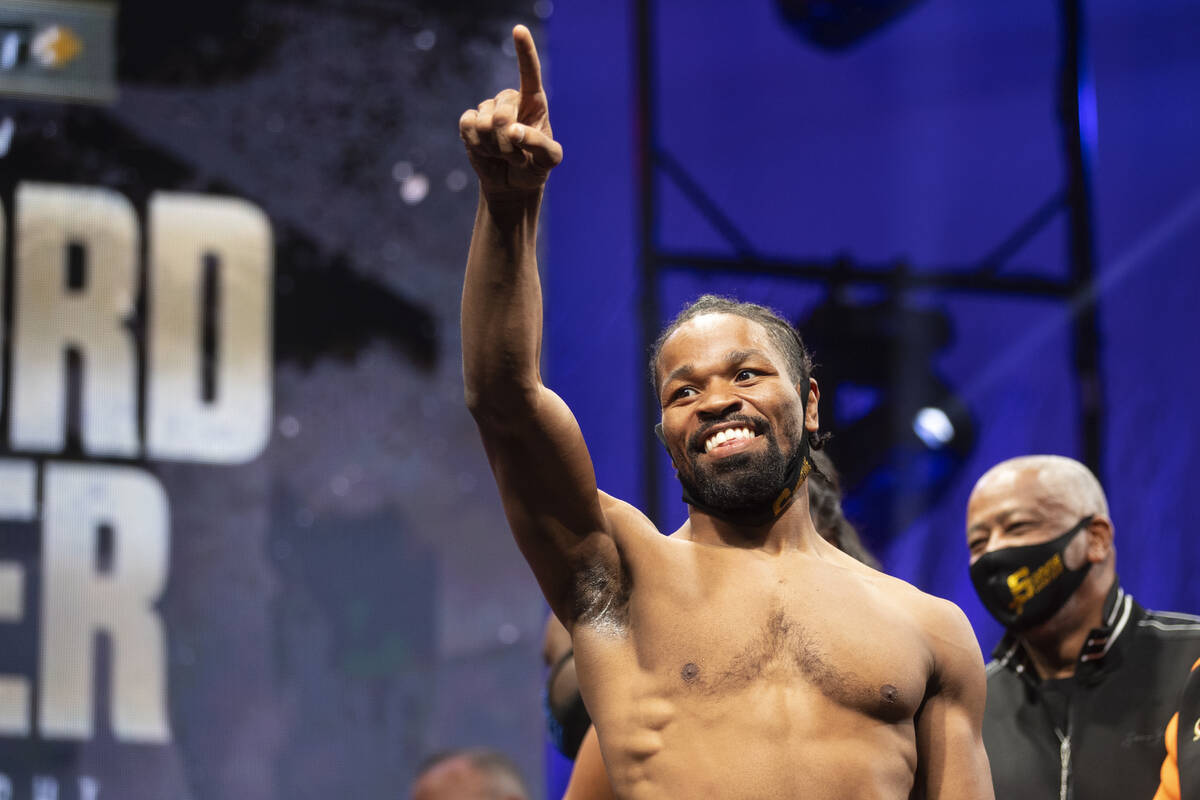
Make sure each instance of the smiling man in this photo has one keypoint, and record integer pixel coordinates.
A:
(1085, 679)
(743, 656)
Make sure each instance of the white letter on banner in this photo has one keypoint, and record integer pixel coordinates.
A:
(79, 601)
(18, 503)
(49, 317)
(185, 230)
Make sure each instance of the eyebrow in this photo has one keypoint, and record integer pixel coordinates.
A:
(732, 357)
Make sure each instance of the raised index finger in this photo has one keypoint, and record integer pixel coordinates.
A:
(527, 61)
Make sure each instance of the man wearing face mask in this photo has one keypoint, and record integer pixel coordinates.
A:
(1084, 681)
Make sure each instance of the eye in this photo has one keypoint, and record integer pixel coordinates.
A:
(682, 392)
(1017, 527)
(746, 374)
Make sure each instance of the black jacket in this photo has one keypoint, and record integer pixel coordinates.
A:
(1100, 734)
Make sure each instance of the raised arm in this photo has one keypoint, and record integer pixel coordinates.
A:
(951, 761)
(533, 443)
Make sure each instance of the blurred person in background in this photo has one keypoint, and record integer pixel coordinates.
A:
(469, 774)
(1082, 684)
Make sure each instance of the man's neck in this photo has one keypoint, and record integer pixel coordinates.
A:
(1054, 646)
(793, 530)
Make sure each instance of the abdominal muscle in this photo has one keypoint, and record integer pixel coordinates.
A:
(769, 740)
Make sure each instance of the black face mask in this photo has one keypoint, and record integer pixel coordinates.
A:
(1024, 586)
(797, 469)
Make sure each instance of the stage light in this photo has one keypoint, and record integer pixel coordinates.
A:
(901, 433)
(933, 427)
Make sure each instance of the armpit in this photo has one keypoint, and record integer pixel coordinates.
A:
(601, 596)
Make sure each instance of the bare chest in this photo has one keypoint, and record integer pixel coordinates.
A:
(838, 641)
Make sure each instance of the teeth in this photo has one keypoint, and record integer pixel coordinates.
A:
(724, 436)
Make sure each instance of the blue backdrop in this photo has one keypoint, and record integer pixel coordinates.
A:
(929, 142)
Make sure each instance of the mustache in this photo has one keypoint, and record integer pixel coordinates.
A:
(756, 424)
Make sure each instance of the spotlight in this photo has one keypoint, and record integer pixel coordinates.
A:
(896, 417)
(933, 427)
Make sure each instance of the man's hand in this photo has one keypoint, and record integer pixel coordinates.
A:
(508, 138)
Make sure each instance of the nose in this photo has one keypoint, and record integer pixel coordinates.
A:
(717, 404)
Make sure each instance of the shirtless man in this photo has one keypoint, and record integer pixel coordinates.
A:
(569, 722)
(743, 657)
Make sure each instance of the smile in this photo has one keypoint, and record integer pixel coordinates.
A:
(728, 435)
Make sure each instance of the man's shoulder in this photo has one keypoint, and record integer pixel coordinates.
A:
(1169, 637)
(1171, 623)
(624, 518)
(943, 624)
(926, 608)
(639, 542)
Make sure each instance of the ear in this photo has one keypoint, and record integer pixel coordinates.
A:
(1100, 540)
(812, 419)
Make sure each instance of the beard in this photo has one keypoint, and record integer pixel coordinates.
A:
(744, 483)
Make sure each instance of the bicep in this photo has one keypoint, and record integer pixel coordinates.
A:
(548, 488)
(952, 762)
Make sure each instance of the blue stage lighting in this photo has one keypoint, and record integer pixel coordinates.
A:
(933, 427)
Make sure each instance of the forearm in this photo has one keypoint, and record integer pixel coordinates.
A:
(502, 306)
